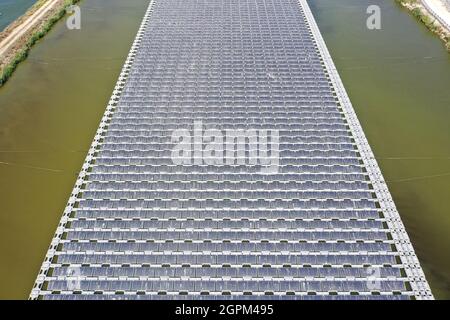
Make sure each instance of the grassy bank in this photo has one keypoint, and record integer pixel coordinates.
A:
(9, 69)
(422, 14)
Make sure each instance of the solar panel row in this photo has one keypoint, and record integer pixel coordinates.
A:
(140, 226)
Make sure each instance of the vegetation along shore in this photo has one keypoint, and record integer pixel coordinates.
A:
(422, 14)
(21, 35)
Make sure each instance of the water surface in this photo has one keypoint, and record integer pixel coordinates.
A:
(398, 79)
(49, 112)
(10, 10)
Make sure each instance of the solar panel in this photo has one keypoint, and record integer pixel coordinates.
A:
(140, 226)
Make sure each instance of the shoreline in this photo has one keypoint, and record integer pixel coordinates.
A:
(19, 48)
(17, 39)
(423, 14)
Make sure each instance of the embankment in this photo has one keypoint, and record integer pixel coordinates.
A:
(422, 14)
(20, 36)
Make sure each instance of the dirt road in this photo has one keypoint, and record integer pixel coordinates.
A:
(22, 29)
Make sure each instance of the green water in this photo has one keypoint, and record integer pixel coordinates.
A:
(398, 79)
(49, 112)
(11, 9)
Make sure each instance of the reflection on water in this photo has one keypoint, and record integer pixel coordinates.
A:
(10, 10)
(49, 112)
(397, 78)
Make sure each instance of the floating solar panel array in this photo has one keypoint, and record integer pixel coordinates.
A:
(139, 225)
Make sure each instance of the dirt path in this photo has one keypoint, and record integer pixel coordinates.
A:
(22, 29)
(439, 10)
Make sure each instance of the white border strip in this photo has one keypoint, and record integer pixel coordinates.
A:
(406, 252)
(36, 291)
(436, 14)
